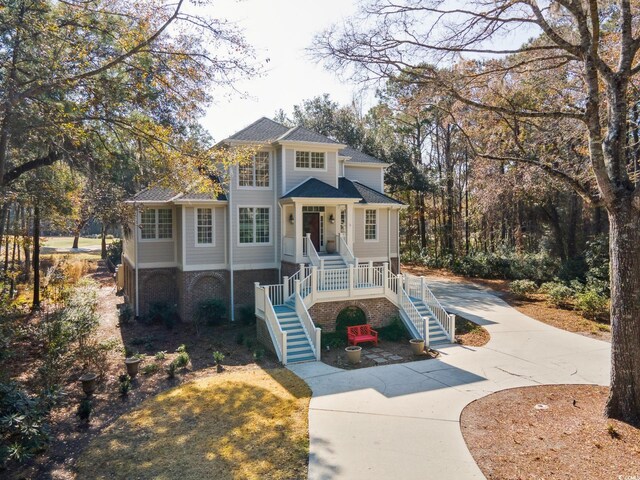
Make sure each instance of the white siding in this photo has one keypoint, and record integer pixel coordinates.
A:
(178, 234)
(394, 232)
(204, 254)
(296, 177)
(372, 177)
(128, 244)
(157, 252)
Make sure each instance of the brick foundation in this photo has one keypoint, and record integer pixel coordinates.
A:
(378, 311)
(195, 287)
(157, 285)
(288, 269)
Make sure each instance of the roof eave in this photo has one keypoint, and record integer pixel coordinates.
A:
(293, 143)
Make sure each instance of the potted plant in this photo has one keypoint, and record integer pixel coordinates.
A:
(88, 383)
(353, 353)
(218, 357)
(417, 346)
(133, 364)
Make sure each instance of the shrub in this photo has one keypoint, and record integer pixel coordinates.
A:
(150, 369)
(258, 354)
(161, 355)
(85, 408)
(334, 340)
(591, 304)
(247, 314)
(124, 384)
(171, 370)
(163, 312)
(114, 251)
(597, 259)
(393, 332)
(559, 294)
(125, 314)
(522, 288)
(239, 338)
(24, 427)
(182, 360)
(212, 311)
(248, 342)
(181, 348)
(218, 357)
(349, 317)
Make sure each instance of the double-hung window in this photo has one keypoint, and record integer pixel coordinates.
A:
(253, 225)
(310, 160)
(370, 225)
(204, 226)
(256, 172)
(156, 224)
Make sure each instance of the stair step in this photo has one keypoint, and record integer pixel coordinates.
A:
(304, 358)
(292, 328)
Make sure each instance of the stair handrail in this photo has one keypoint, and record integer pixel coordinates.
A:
(278, 336)
(446, 320)
(314, 258)
(414, 316)
(311, 331)
(345, 251)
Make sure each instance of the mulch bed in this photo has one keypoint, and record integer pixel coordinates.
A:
(550, 432)
(470, 333)
(69, 438)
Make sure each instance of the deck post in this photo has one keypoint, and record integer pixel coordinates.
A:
(314, 282)
(425, 325)
(400, 278)
(370, 272)
(301, 267)
(385, 277)
(285, 287)
(296, 287)
(422, 285)
(256, 286)
(350, 280)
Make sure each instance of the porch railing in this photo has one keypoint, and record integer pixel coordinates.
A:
(417, 288)
(312, 332)
(310, 250)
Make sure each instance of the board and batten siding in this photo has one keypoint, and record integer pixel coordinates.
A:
(296, 177)
(205, 255)
(372, 177)
(370, 250)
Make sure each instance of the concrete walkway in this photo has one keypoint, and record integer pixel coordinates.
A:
(402, 421)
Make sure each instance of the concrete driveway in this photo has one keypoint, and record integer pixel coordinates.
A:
(402, 420)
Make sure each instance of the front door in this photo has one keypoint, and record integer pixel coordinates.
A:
(311, 225)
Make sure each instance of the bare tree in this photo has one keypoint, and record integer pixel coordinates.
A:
(593, 47)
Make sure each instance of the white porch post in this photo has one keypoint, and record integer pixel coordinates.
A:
(370, 272)
(285, 287)
(297, 216)
(400, 279)
(385, 277)
(350, 280)
(350, 223)
(314, 282)
(302, 272)
(422, 285)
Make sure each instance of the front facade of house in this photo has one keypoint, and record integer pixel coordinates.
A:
(304, 202)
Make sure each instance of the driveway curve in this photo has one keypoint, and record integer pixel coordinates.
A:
(402, 420)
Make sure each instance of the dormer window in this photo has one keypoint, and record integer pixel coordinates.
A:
(310, 160)
(256, 172)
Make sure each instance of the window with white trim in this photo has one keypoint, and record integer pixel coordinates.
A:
(311, 160)
(256, 172)
(156, 224)
(253, 225)
(204, 226)
(370, 225)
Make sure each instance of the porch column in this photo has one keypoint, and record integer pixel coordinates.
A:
(350, 226)
(298, 231)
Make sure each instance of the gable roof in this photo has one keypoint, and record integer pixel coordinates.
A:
(154, 194)
(302, 134)
(160, 194)
(314, 188)
(367, 195)
(359, 157)
(262, 130)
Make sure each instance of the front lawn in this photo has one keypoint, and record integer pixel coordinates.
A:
(242, 424)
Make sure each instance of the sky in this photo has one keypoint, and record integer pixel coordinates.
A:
(279, 30)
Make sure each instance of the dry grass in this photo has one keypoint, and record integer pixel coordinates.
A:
(510, 439)
(240, 425)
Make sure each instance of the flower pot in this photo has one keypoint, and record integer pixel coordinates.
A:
(417, 346)
(331, 246)
(88, 383)
(132, 366)
(353, 354)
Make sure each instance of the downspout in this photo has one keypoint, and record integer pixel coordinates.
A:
(388, 234)
(231, 290)
(135, 249)
(398, 232)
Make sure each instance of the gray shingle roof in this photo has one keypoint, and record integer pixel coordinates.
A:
(314, 188)
(262, 130)
(154, 194)
(358, 157)
(302, 134)
(368, 195)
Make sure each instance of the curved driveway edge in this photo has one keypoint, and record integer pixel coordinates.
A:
(402, 420)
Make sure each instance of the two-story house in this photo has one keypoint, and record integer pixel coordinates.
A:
(305, 208)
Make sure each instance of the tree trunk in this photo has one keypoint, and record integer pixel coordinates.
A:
(35, 305)
(76, 239)
(624, 249)
(103, 253)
